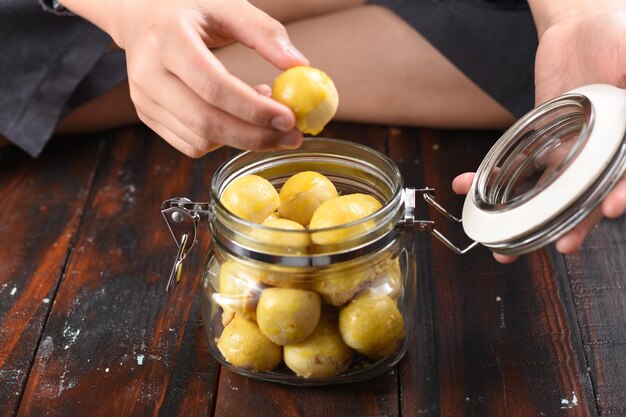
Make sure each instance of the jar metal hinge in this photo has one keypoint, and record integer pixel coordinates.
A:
(410, 196)
(183, 218)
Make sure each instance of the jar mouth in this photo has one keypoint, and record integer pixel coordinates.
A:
(528, 159)
(351, 167)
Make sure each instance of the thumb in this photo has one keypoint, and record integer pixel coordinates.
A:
(259, 31)
(462, 183)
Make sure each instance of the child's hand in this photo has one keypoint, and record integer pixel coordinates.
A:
(580, 46)
(178, 86)
(613, 206)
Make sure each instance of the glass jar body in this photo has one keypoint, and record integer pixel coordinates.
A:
(324, 314)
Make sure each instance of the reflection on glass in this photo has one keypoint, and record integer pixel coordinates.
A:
(519, 169)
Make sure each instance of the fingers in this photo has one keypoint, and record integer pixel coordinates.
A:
(504, 259)
(185, 55)
(614, 204)
(257, 30)
(462, 183)
(216, 130)
(180, 106)
(572, 240)
(264, 90)
(172, 109)
(174, 139)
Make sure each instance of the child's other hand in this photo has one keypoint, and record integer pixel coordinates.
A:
(581, 46)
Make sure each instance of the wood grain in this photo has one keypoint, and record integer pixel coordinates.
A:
(113, 338)
(497, 340)
(191, 391)
(86, 328)
(598, 281)
(41, 205)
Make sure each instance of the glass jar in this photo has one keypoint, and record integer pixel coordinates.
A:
(336, 305)
(311, 306)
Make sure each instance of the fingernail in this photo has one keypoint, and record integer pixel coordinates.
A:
(290, 140)
(282, 123)
(292, 50)
(264, 90)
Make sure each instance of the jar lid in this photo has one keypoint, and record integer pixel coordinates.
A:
(548, 171)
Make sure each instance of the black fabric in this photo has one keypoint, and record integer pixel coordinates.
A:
(109, 71)
(512, 4)
(44, 59)
(493, 42)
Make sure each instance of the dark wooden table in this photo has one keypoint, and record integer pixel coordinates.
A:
(87, 329)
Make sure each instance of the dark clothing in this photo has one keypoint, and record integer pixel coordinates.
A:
(44, 64)
(493, 42)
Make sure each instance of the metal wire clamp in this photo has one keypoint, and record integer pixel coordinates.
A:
(427, 194)
(182, 217)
